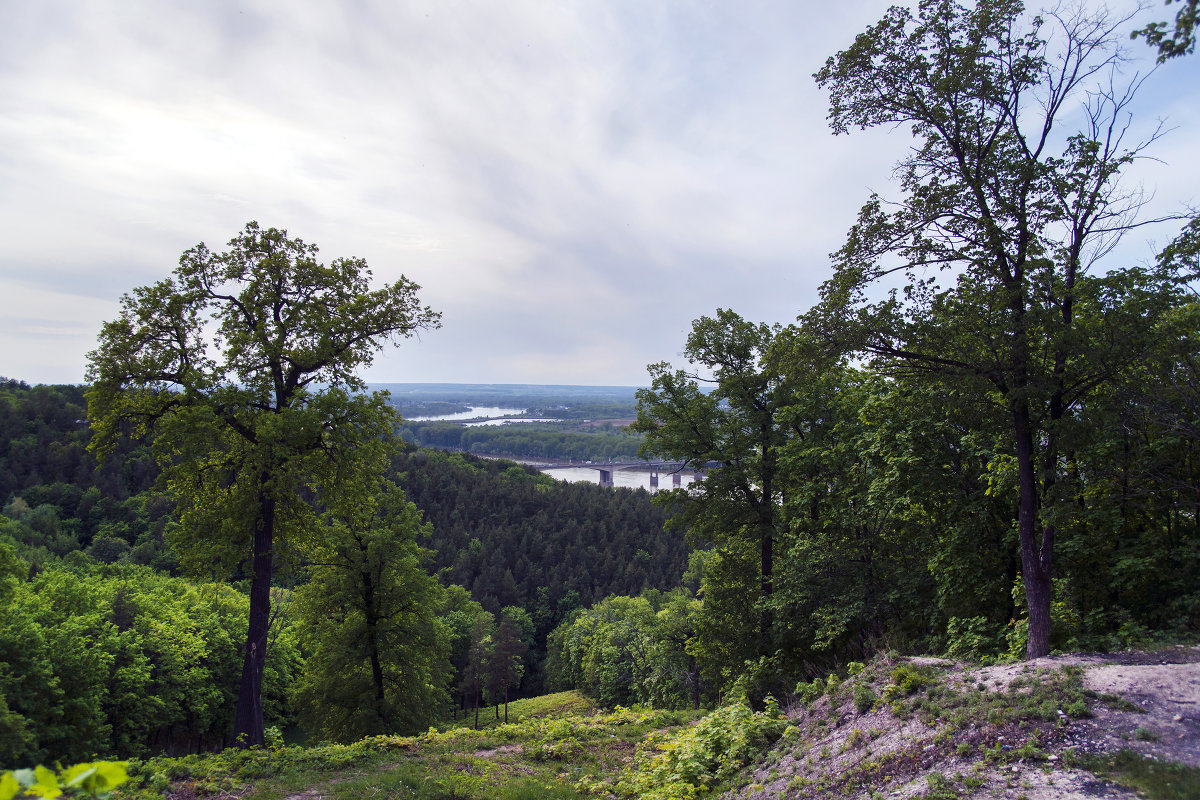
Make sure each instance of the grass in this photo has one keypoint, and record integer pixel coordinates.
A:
(1152, 779)
(548, 705)
(545, 754)
(1046, 696)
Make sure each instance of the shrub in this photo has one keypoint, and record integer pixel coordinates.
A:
(864, 698)
(694, 760)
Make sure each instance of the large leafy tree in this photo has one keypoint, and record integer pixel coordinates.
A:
(1001, 218)
(243, 362)
(378, 655)
(733, 429)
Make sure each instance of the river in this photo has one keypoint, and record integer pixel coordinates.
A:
(629, 478)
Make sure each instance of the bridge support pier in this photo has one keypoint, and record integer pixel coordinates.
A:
(654, 477)
(606, 477)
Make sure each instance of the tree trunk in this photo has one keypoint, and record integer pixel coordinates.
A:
(766, 623)
(1035, 556)
(248, 719)
(372, 620)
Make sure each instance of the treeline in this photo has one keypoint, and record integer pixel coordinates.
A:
(586, 410)
(894, 527)
(102, 641)
(525, 440)
(516, 537)
(428, 408)
(60, 498)
(121, 660)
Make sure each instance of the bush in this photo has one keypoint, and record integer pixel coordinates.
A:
(692, 761)
(864, 698)
(971, 638)
(907, 679)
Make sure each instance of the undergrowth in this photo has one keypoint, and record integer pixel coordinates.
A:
(1151, 779)
(538, 757)
(692, 761)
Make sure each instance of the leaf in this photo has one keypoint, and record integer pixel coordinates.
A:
(47, 783)
(76, 776)
(113, 773)
(9, 786)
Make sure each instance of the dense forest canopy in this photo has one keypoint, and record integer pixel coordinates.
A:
(89, 567)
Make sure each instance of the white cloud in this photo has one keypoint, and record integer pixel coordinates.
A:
(571, 183)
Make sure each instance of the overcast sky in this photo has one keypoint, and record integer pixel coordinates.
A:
(570, 182)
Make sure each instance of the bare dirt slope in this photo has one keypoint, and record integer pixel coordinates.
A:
(1025, 731)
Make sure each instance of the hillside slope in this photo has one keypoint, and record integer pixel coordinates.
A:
(1060, 727)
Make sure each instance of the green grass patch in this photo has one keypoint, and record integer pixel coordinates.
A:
(1152, 779)
(547, 705)
(542, 756)
(1048, 695)
(1115, 702)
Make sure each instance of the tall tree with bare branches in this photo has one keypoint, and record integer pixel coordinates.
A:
(992, 248)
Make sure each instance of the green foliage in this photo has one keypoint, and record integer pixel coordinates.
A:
(56, 494)
(548, 549)
(732, 432)
(90, 779)
(864, 698)
(907, 679)
(1150, 778)
(623, 650)
(538, 441)
(691, 762)
(518, 760)
(974, 638)
(993, 234)
(242, 364)
(376, 652)
(1174, 40)
(808, 693)
(120, 660)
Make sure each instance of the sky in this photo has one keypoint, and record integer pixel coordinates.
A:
(571, 183)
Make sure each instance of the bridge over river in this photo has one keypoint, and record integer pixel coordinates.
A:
(674, 468)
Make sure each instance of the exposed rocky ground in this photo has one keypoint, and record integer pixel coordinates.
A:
(1049, 728)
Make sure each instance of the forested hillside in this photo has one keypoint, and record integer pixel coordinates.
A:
(516, 537)
(91, 583)
(57, 495)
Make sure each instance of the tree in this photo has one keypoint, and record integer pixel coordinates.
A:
(475, 673)
(243, 364)
(506, 660)
(378, 654)
(733, 433)
(996, 233)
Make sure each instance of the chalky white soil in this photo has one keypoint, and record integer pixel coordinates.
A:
(1164, 686)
